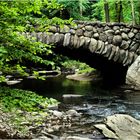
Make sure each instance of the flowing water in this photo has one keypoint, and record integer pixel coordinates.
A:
(95, 103)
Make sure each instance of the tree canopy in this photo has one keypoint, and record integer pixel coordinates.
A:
(18, 16)
(25, 16)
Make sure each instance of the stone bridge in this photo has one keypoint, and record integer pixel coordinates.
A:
(109, 47)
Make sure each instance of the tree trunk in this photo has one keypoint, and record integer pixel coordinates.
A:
(119, 11)
(106, 9)
(80, 8)
(120, 17)
(133, 12)
(116, 13)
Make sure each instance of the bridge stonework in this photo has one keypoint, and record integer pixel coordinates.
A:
(115, 41)
(114, 45)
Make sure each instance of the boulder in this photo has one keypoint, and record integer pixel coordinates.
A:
(13, 82)
(117, 40)
(72, 98)
(73, 113)
(76, 138)
(120, 127)
(133, 74)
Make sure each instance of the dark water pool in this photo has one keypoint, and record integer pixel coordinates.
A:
(97, 101)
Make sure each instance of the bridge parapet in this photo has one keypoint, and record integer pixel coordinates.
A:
(115, 41)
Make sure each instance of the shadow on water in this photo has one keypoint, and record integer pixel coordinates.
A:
(89, 98)
(96, 101)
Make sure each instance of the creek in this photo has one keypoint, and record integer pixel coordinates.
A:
(96, 102)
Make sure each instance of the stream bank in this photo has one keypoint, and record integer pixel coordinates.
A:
(83, 104)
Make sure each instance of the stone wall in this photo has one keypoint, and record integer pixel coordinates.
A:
(115, 41)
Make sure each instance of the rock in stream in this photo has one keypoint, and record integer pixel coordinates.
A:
(120, 127)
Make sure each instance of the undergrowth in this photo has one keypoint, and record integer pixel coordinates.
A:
(11, 99)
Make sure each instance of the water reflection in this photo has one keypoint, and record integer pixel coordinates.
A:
(96, 101)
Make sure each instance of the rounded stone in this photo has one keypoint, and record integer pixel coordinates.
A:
(79, 32)
(73, 113)
(117, 40)
(88, 28)
(72, 31)
(110, 38)
(88, 33)
(135, 30)
(124, 45)
(109, 32)
(93, 45)
(131, 35)
(138, 36)
(116, 28)
(94, 30)
(117, 32)
(124, 36)
(96, 35)
(53, 29)
(103, 37)
(106, 28)
(125, 30)
(64, 29)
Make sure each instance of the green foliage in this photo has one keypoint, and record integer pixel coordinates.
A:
(13, 99)
(75, 8)
(73, 64)
(99, 14)
(25, 16)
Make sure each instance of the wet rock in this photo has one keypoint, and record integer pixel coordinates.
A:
(76, 138)
(53, 107)
(73, 113)
(57, 113)
(9, 76)
(133, 74)
(71, 98)
(42, 138)
(120, 127)
(13, 82)
(82, 77)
